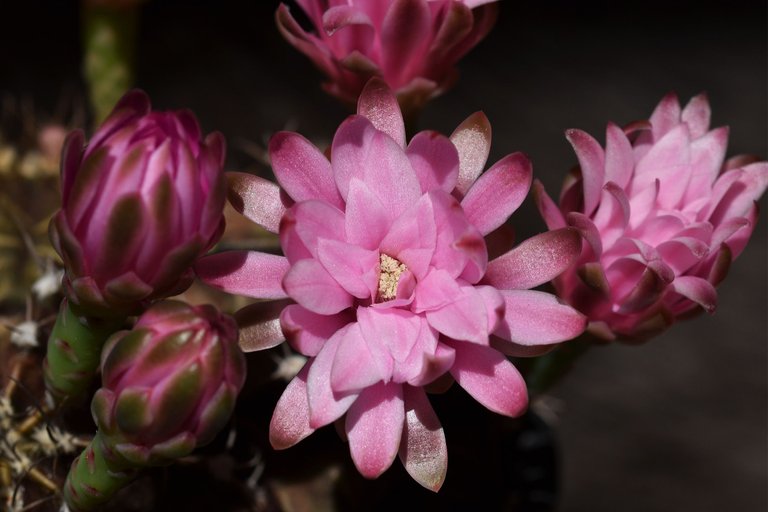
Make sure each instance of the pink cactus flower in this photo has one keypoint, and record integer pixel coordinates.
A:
(386, 262)
(663, 217)
(140, 203)
(413, 45)
(169, 384)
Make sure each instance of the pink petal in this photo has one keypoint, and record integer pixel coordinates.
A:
(405, 36)
(460, 248)
(434, 366)
(698, 290)
(613, 214)
(290, 420)
(592, 162)
(436, 290)
(306, 331)
(309, 284)
(707, 156)
(423, 450)
(424, 358)
(589, 231)
(491, 380)
(259, 325)
(538, 318)
(249, 273)
(668, 160)
(360, 151)
(464, 319)
(619, 160)
(366, 221)
(302, 170)
(313, 221)
(257, 199)
(535, 261)
(354, 367)
(498, 192)
(549, 211)
(324, 406)
(71, 156)
(472, 139)
(413, 237)
(380, 107)
(697, 115)
(682, 253)
(354, 268)
(665, 116)
(738, 200)
(435, 160)
(348, 29)
(390, 333)
(377, 414)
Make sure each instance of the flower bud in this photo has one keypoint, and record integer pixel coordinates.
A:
(140, 203)
(169, 384)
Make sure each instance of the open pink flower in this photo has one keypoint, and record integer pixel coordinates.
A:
(663, 217)
(386, 261)
(412, 44)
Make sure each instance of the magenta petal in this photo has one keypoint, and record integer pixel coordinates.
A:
(405, 36)
(377, 414)
(549, 211)
(472, 139)
(435, 160)
(290, 420)
(538, 318)
(423, 450)
(324, 406)
(698, 290)
(249, 273)
(592, 162)
(257, 199)
(354, 367)
(682, 253)
(535, 261)
(380, 107)
(491, 380)
(71, 155)
(301, 169)
(589, 231)
(309, 284)
(306, 331)
(498, 192)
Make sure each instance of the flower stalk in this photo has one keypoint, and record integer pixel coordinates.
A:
(74, 349)
(109, 41)
(96, 475)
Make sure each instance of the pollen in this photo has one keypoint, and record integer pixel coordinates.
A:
(390, 271)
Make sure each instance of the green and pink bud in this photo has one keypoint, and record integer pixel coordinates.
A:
(169, 385)
(140, 203)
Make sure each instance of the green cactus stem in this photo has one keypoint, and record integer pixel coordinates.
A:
(109, 41)
(95, 476)
(74, 352)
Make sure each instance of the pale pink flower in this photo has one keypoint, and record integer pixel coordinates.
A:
(413, 45)
(386, 261)
(663, 216)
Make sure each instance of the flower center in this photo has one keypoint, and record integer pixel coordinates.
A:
(390, 271)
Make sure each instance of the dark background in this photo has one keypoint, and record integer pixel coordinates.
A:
(677, 424)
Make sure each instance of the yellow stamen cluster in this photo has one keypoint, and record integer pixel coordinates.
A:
(390, 271)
